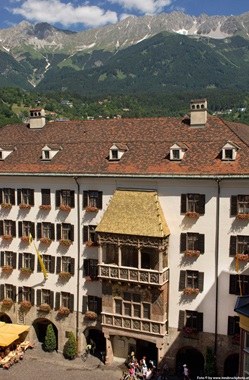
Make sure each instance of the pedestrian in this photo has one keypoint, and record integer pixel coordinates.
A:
(144, 367)
(93, 346)
(185, 372)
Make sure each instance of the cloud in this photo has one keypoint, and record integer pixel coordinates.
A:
(54, 11)
(144, 6)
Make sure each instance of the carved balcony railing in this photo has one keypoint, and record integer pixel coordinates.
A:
(134, 324)
(127, 274)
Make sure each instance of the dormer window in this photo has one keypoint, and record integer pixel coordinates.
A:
(5, 152)
(48, 152)
(177, 151)
(116, 151)
(229, 151)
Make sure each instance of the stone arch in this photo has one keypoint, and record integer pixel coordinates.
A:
(40, 327)
(5, 318)
(231, 365)
(194, 360)
(97, 335)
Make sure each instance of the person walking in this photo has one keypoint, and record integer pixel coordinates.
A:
(185, 372)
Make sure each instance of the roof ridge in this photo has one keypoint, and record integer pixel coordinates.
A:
(233, 131)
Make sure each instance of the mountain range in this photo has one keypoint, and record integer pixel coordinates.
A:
(165, 52)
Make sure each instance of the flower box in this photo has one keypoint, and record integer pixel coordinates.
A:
(64, 311)
(65, 242)
(189, 291)
(44, 307)
(7, 302)
(65, 208)
(25, 305)
(242, 256)
(7, 237)
(91, 278)
(6, 205)
(7, 268)
(65, 275)
(242, 216)
(25, 239)
(24, 206)
(192, 214)
(191, 253)
(45, 240)
(90, 243)
(45, 207)
(26, 270)
(91, 209)
(91, 315)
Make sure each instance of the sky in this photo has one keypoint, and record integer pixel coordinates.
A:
(79, 15)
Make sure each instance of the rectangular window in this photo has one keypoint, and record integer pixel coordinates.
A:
(192, 242)
(65, 299)
(91, 268)
(8, 227)
(243, 204)
(118, 307)
(9, 291)
(65, 198)
(26, 294)
(8, 196)
(92, 198)
(239, 284)
(25, 196)
(191, 279)
(146, 311)
(131, 306)
(175, 154)
(45, 193)
(27, 260)
(239, 244)
(45, 230)
(10, 258)
(93, 303)
(65, 231)
(66, 264)
(89, 234)
(45, 296)
(190, 320)
(233, 325)
(193, 203)
(27, 228)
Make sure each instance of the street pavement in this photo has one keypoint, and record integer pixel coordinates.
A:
(40, 365)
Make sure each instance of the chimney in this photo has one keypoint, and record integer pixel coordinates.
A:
(198, 113)
(37, 118)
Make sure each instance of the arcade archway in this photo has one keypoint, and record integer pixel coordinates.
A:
(194, 360)
(231, 365)
(40, 326)
(5, 318)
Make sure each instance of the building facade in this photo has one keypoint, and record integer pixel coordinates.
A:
(138, 223)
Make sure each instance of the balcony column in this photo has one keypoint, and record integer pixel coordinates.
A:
(119, 255)
(100, 253)
(139, 255)
(160, 257)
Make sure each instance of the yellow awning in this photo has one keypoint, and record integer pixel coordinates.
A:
(134, 213)
(7, 338)
(12, 328)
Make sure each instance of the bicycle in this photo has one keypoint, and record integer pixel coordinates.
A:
(85, 355)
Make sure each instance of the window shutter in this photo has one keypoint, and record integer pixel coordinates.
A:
(52, 266)
(19, 229)
(233, 284)
(1, 227)
(1, 195)
(45, 196)
(32, 296)
(233, 246)
(19, 196)
(182, 281)
(230, 325)
(72, 232)
(201, 243)
(32, 262)
(58, 265)
(14, 294)
(20, 260)
(181, 320)
(201, 281)
(1, 292)
(201, 204)
(84, 304)
(51, 299)
(32, 201)
(33, 229)
(183, 203)
(200, 321)
(57, 300)
(38, 297)
(13, 228)
(12, 196)
(57, 198)
(85, 234)
(2, 258)
(183, 242)
(86, 271)
(234, 205)
(72, 266)
(71, 303)
(99, 305)
(14, 259)
(72, 203)
(52, 231)
(99, 200)
(38, 266)
(85, 199)
(19, 294)
(58, 231)
(38, 228)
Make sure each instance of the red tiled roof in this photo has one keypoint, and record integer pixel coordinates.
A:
(86, 147)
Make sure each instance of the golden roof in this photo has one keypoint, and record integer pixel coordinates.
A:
(134, 213)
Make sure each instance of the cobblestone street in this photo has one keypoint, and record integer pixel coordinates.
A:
(40, 365)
